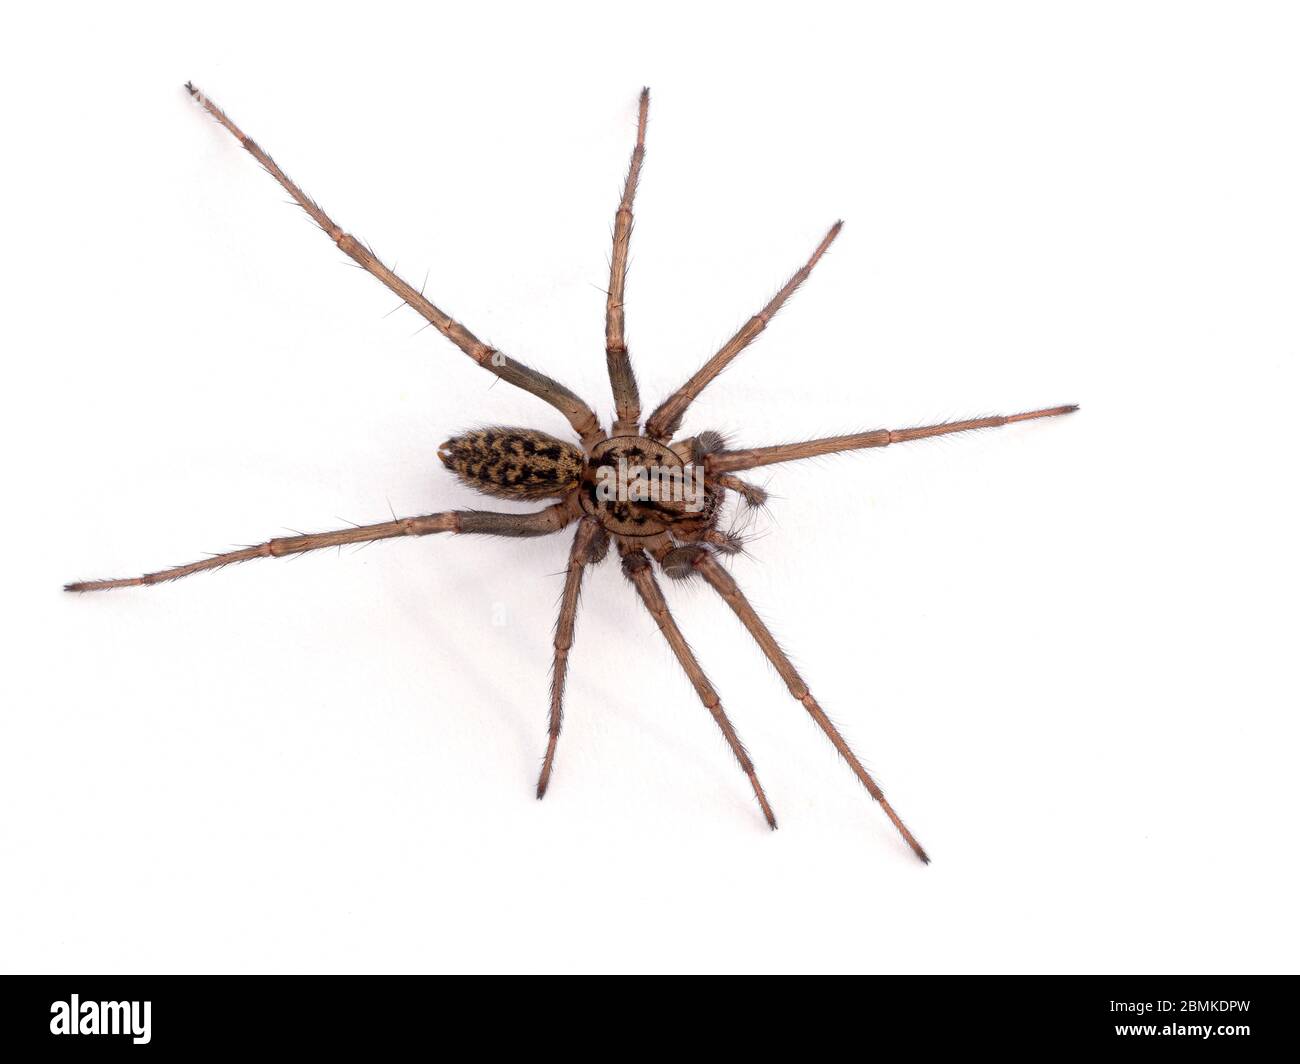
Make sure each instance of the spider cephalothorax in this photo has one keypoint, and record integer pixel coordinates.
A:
(655, 496)
(638, 487)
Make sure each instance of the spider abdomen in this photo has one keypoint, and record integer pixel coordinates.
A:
(513, 463)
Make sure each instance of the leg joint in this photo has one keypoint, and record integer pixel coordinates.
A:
(634, 563)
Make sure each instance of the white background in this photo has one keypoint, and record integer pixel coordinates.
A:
(1066, 648)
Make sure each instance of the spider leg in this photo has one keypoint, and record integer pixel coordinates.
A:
(579, 415)
(627, 400)
(636, 566)
(667, 418)
(722, 582)
(731, 461)
(539, 523)
(588, 545)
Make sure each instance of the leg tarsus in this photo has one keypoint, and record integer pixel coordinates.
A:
(548, 763)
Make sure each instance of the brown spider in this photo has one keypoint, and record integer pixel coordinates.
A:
(658, 498)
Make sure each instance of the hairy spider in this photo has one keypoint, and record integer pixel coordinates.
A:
(656, 496)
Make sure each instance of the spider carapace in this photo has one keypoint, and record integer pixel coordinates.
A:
(653, 493)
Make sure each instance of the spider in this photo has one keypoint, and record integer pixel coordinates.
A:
(656, 496)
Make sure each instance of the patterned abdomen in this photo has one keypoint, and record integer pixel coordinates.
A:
(513, 463)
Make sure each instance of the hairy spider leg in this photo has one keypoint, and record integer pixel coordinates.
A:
(753, 457)
(722, 582)
(578, 413)
(667, 418)
(589, 544)
(482, 522)
(636, 566)
(622, 381)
